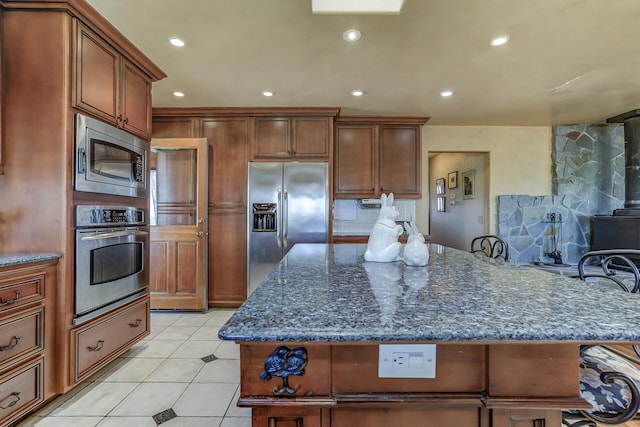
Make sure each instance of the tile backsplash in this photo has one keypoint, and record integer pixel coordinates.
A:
(349, 218)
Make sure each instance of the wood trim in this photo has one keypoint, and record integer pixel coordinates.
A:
(244, 111)
(378, 120)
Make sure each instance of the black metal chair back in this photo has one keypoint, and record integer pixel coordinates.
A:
(492, 246)
(611, 264)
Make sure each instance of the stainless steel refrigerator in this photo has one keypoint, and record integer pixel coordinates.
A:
(288, 204)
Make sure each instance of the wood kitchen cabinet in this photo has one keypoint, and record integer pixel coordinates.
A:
(235, 136)
(292, 138)
(27, 337)
(61, 58)
(375, 155)
(109, 86)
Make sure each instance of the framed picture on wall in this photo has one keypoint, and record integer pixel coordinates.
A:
(469, 184)
(440, 186)
(453, 179)
(442, 202)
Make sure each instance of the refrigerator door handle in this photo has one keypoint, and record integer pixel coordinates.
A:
(285, 217)
(279, 216)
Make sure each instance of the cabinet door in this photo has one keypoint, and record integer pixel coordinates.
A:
(227, 255)
(136, 101)
(227, 138)
(271, 138)
(97, 71)
(356, 162)
(311, 137)
(400, 159)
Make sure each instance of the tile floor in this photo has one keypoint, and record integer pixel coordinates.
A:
(180, 375)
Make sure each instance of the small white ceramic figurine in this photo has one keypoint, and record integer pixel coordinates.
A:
(383, 243)
(416, 251)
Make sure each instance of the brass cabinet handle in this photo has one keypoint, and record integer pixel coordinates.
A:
(98, 347)
(10, 346)
(135, 325)
(15, 394)
(11, 301)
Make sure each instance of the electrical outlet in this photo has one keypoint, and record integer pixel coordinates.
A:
(407, 361)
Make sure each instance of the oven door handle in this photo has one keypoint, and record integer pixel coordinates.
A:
(111, 234)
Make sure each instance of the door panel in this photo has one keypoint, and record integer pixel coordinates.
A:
(179, 224)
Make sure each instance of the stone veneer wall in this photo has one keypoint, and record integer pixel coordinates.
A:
(587, 180)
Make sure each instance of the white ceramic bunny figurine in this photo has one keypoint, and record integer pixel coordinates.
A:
(416, 251)
(383, 243)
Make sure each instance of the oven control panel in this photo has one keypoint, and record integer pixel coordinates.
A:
(92, 216)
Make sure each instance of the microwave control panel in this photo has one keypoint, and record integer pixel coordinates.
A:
(92, 216)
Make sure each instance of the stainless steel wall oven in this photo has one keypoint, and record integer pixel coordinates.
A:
(111, 258)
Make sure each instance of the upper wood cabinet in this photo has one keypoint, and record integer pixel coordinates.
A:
(378, 155)
(282, 138)
(109, 86)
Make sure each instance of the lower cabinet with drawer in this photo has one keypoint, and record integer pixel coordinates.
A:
(21, 390)
(100, 341)
(27, 334)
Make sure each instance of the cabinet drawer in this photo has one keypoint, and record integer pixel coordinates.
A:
(21, 336)
(21, 290)
(101, 341)
(21, 391)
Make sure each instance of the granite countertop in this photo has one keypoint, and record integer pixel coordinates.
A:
(16, 259)
(328, 293)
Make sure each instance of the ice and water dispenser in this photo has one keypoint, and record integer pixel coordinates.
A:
(264, 217)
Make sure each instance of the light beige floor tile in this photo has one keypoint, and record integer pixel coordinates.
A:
(127, 421)
(130, 369)
(196, 349)
(176, 333)
(154, 349)
(176, 371)
(235, 411)
(206, 333)
(98, 400)
(198, 400)
(60, 400)
(193, 422)
(149, 399)
(219, 318)
(193, 319)
(164, 318)
(61, 422)
(220, 371)
(228, 350)
(236, 422)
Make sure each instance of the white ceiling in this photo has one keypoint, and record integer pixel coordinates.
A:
(568, 61)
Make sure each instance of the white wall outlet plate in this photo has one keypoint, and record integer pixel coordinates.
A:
(407, 361)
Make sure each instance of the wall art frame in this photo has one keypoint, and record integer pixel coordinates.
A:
(452, 179)
(442, 203)
(440, 186)
(469, 184)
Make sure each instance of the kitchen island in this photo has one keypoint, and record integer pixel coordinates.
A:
(506, 340)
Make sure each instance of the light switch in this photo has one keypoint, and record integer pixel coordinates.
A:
(407, 361)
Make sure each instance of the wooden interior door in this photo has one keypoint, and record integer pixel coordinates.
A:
(179, 228)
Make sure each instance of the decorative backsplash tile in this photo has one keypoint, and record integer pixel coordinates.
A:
(349, 218)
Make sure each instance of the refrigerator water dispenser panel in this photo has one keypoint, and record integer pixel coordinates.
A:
(264, 217)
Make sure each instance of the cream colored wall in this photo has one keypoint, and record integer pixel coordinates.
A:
(519, 160)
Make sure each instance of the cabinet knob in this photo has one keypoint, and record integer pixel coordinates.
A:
(200, 233)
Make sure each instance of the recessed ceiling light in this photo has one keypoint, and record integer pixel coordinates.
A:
(351, 35)
(178, 94)
(357, 93)
(500, 40)
(178, 42)
(268, 93)
(446, 93)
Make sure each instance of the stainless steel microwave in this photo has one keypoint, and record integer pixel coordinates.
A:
(109, 160)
